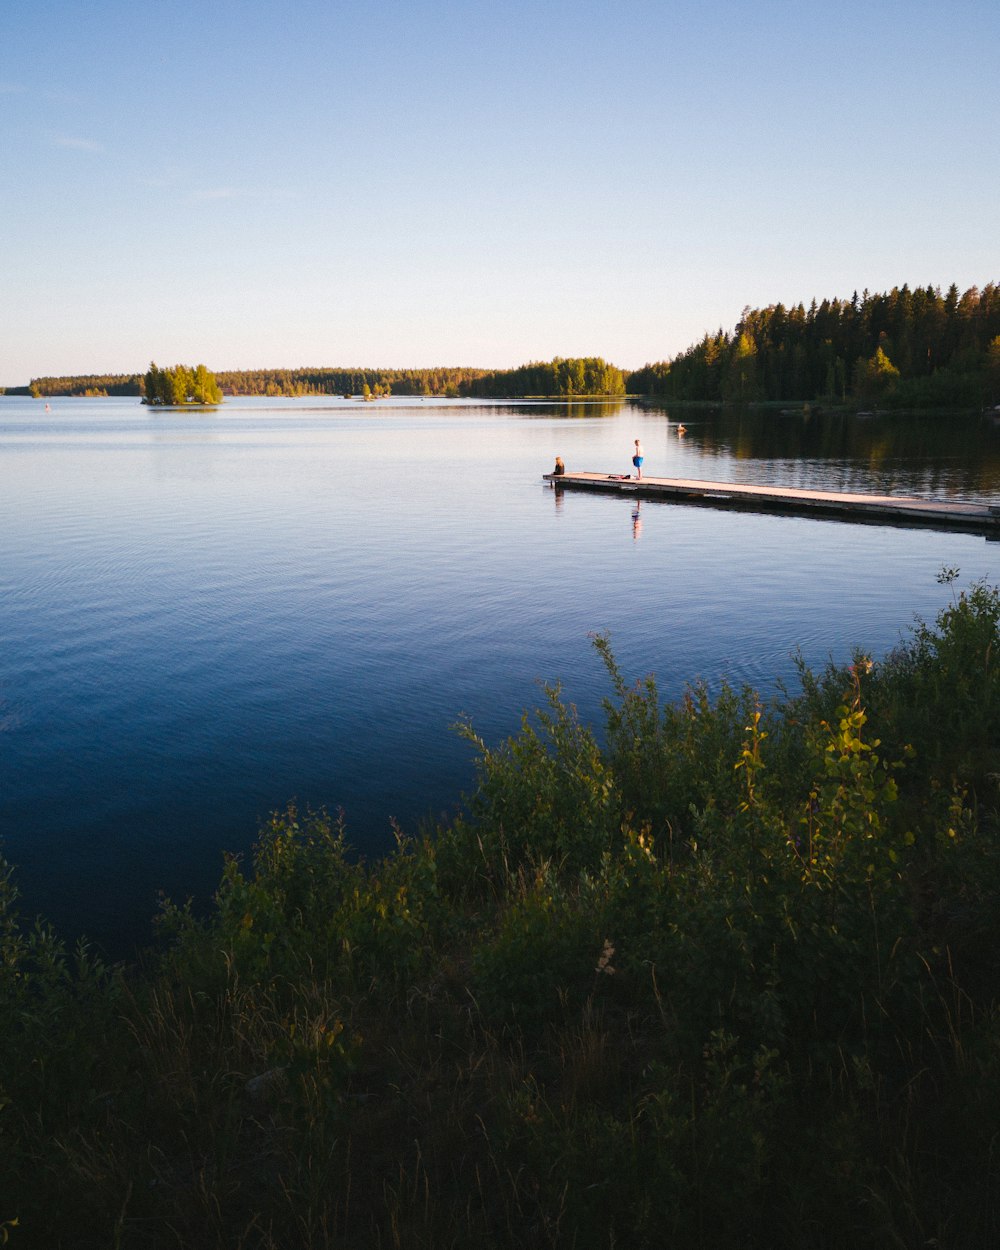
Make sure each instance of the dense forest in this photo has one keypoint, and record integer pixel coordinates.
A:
(905, 349)
(450, 382)
(90, 384)
(588, 375)
(275, 382)
(908, 348)
(562, 377)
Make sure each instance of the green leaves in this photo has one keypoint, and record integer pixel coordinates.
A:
(180, 386)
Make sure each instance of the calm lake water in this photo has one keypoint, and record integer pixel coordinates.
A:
(203, 616)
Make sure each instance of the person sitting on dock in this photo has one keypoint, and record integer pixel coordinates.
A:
(560, 468)
(637, 460)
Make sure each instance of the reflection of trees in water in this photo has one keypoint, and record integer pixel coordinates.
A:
(925, 454)
(566, 408)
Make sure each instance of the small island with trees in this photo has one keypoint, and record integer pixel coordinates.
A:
(180, 386)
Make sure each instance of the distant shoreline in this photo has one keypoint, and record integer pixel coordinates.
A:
(800, 408)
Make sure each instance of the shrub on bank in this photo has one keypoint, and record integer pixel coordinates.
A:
(727, 980)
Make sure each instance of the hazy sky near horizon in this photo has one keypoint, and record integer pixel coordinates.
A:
(438, 182)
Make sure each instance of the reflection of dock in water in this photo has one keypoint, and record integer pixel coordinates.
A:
(846, 505)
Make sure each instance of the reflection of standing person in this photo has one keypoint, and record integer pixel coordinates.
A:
(637, 521)
(637, 460)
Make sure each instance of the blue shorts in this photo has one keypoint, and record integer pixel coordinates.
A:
(637, 461)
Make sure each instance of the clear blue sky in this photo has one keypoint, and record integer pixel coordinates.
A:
(408, 183)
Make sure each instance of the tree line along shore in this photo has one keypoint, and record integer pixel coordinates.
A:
(907, 348)
(723, 976)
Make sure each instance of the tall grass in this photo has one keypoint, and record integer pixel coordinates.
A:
(728, 980)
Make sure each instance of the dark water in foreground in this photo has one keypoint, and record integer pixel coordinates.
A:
(203, 616)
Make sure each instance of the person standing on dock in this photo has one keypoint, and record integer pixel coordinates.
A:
(637, 460)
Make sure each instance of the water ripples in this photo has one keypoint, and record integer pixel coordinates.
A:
(200, 621)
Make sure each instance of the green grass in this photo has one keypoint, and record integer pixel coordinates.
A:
(727, 980)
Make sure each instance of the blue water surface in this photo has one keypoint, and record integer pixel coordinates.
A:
(205, 615)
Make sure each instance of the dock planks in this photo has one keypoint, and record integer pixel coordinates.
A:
(847, 505)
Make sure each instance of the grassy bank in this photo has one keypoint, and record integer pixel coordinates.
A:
(728, 980)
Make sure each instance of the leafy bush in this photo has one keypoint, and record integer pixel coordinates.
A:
(727, 980)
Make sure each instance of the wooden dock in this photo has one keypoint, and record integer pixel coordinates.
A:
(848, 506)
